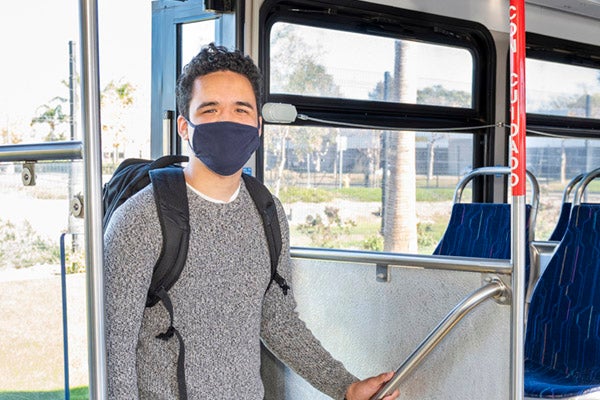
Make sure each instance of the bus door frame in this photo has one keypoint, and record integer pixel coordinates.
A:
(168, 17)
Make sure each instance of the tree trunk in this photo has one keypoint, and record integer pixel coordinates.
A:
(282, 150)
(563, 163)
(400, 221)
(430, 161)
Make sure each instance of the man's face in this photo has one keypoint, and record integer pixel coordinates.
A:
(223, 96)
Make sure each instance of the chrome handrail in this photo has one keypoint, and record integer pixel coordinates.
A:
(45, 151)
(570, 186)
(454, 263)
(581, 186)
(495, 289)
(535, 190)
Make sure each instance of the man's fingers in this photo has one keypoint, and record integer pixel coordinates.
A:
(382, 379)
(386, 376)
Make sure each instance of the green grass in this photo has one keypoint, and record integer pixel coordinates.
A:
(79, 393)
(431, 233)
(307, 195)
(364, 233)
(438, 194)
(360, 194)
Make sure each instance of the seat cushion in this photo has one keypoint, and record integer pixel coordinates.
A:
(480, 230)
(546, 383)
(562, 342)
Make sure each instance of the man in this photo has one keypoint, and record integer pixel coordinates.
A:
(222, 306)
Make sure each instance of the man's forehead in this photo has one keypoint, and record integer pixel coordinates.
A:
(223, 77)
(215, 81)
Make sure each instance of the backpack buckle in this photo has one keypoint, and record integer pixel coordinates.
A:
(167, 335)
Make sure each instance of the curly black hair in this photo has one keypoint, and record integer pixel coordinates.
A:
(214, 58)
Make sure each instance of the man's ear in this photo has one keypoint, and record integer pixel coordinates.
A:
(182, 127)
(260, 121)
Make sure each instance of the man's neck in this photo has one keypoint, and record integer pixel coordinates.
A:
(209, 183)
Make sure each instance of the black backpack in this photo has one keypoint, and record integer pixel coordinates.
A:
(170, 195)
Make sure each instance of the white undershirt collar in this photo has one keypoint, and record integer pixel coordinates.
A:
(212, 200)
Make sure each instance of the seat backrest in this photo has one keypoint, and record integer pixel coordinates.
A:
(565, 210)
(563, 221)
(480, 230)
(483, 230)
(563, 324)
(534, 200)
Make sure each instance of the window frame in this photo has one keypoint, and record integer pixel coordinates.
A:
(355, 16)
(168, 16)
(547, 48)
(404, 24)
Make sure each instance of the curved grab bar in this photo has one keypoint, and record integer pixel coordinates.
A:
(572, 184)
(493, 289)
(460, 186)
(535, 187)
(535, 190)
(580, 188)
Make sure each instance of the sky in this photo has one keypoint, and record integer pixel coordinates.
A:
(358, 71)
(34, 37)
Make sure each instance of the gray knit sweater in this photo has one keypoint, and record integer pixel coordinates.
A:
(219, 302)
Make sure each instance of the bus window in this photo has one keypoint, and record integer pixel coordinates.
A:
(43, 350)
(195, 35)
(555, 161)
(332, 183)
(563, 109)
(562, 89)
(313, 61)
(365, 187)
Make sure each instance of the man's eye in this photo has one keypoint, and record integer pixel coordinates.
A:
(242, 110)
(209, 110)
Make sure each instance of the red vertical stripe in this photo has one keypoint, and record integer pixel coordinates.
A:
(517, 97)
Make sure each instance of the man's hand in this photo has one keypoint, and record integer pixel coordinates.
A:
(367, 388)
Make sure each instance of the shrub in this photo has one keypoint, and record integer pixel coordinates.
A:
(21, 246)
(373, 243)
(326, 233)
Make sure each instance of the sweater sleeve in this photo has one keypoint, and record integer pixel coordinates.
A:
(290, 340)
(131, 247)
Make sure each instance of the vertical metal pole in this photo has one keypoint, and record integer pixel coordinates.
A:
(65, 324)
(90, 112)
(518, 184)
(73, 131)
(72, 80)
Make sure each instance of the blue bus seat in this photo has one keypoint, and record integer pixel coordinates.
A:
(483, 229)
(562, 341)
(565, 210)
(563, 221)
(480, 230)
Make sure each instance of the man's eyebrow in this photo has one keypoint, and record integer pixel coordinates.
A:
(216, 103)
(207, 104)
(245, 104)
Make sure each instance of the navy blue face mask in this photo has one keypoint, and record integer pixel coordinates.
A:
(224, 147)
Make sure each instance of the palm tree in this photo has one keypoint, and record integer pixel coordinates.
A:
(117, 99)
(52, 114)
(399, 216)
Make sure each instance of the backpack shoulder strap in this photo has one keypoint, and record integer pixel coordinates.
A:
(170, 195)
(168, 160)
(263, 199)
(130, 177)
